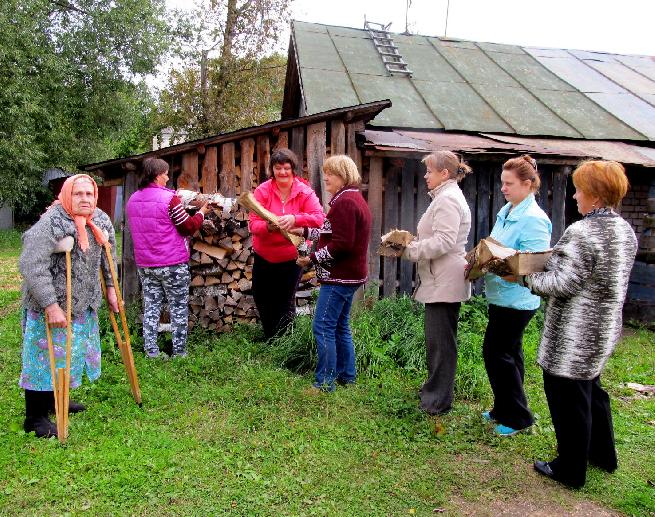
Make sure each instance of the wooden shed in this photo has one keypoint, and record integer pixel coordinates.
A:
(486, 101)
(236, 162)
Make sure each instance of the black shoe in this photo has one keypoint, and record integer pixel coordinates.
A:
(75, 407)
(544, 468)
(42, 427)
(36, 414)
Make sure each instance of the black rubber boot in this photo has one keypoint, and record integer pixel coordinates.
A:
(73, 407)
(36, 414)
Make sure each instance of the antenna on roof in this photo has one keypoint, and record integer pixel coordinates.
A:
(408, 5)
(445, 31)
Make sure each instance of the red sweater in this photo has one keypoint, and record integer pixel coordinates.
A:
(302, 203)
(341, 256)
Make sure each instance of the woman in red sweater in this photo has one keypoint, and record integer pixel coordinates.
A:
(340, 260)
(275, 274)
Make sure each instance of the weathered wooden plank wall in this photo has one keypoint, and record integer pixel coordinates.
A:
(397, 196)
(240, 165)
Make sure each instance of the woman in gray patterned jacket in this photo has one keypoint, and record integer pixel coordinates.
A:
(44, 295)
(585, 281)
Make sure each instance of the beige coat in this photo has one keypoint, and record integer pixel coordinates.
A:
(439, 247)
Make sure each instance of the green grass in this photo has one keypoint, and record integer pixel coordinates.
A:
(230, 430)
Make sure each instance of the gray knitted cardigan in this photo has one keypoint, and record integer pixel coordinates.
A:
(44, 272)
(585, 281)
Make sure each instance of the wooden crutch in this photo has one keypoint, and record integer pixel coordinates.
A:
(124, 345)
(61, 379)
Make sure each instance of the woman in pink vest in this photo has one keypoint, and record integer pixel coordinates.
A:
(275, 274)
(160, 230)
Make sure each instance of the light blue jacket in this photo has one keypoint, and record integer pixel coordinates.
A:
(525, 228)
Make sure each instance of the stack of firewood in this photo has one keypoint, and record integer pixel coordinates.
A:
(221, 272)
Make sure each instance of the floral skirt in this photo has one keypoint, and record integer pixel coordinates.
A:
(85, 348)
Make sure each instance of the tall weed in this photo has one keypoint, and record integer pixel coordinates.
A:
(389, 333)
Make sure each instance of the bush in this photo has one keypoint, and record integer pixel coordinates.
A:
(388, 333)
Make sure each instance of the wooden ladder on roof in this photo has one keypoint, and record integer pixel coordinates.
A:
(393, 61)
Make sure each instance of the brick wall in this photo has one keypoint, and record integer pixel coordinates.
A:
(633, 206)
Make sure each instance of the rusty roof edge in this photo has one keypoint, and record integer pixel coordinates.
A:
(426, 141)
(364, 112)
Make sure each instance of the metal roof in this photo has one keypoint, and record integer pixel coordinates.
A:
(469, 86)
(423, 142)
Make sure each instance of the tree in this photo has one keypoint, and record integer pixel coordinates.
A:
(71, 84)
(243, 84)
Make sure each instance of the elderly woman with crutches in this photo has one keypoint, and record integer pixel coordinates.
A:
(46, 338)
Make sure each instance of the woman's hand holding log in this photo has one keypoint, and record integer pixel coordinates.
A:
(286, 222)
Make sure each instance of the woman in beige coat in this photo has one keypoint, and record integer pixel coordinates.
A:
(439, 252)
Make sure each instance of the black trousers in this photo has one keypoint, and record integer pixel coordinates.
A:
(436, 394)
(582, 417)
(274, 290)
(503, 358)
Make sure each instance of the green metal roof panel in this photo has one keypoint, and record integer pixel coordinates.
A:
(497, 47)
(359, 55)
(329, 90)
(426, 63)
(348, 33)
(527, 71)
(474, 65)
(316, 50)
(460, 107)
(526, 114)
(586, 116)
(407, 109)
(469, 86)
(309, 27)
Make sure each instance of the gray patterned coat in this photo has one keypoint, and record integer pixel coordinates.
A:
(585, 281)
(44, 272)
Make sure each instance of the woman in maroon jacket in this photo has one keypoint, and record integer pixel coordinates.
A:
(341, 266)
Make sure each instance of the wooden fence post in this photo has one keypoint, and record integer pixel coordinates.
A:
(375, 179)
(316, 149)
(209, 179)
(338, 138)
(407, 220)
(228, 170)
(560, 177)
(263, 157)
(247, 152)
(390, 221)
(129, 280)
(188, 178)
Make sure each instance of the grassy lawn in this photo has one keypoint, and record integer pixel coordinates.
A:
(229, 430)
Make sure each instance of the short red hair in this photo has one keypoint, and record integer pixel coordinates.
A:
(604, 179)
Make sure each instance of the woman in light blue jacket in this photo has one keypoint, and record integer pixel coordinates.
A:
(521, 224)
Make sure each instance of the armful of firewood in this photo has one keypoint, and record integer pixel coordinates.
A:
(394, 243)
(247, 200)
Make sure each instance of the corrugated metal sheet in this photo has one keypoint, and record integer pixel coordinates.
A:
(469, 86)
(484, 143)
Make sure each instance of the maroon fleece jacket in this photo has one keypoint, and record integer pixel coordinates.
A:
(341, 256)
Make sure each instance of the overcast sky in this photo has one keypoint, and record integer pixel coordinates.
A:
(618, 26)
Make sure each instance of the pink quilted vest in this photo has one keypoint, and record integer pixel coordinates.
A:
(157, 242)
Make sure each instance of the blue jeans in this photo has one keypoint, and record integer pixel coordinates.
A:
(334, 342)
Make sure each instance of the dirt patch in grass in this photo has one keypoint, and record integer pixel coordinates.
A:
(534, 495)
(10, 278)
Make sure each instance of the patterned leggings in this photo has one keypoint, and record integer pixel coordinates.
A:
(170, 283)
